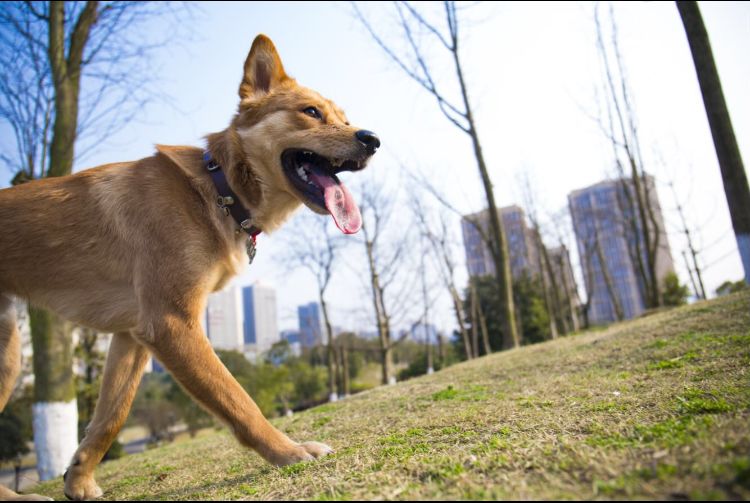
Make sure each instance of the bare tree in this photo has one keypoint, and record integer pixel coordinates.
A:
(311, 246)
(459, 112)
(589, 281)
(70, 74)
(637, 221)
(564, 273)
(698, 288)
(439, 239)
(562, 232)
(424, 251)
(482, 324)
(547, 276)
(389, 275)
(727, 151)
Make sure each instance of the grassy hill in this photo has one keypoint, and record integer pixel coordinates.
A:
(653, 408)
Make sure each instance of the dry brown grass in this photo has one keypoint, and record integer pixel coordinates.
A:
(653, 408)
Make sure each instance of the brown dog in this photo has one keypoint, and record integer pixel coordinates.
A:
(135, 248)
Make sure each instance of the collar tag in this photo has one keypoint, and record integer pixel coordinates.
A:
(250, 246)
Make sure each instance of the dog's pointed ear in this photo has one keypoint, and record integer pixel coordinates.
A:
(263, 69)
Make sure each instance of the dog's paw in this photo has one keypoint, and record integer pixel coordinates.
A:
(316, 449)
(308, 451)
(79, 487)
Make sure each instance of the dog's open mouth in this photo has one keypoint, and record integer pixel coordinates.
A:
(315, 178)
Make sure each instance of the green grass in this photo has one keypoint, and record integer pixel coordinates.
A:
(655, 408)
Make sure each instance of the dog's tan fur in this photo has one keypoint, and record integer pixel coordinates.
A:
(135, 248)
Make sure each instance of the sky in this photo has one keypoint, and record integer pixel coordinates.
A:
(531, 70)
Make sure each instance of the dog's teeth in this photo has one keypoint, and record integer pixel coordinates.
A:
(302, 173)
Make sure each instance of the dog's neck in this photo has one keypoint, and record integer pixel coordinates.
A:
(269, 208)
(224, 148)
(227, 199)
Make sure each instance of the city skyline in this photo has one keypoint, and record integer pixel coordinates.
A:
(599, 217)
(532, 109)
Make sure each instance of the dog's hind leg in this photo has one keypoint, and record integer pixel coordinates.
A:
(122, 373)
(10, 366)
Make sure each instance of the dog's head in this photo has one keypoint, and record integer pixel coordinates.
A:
(297, 141)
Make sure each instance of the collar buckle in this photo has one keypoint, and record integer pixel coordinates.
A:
(223, 201)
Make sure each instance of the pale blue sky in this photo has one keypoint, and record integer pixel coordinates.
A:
(531, 68)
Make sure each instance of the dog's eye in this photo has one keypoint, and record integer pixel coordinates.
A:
(313, 112)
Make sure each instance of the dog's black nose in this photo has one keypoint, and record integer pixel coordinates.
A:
(370, 139)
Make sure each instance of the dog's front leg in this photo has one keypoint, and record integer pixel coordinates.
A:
(122, 373)
(180, 344)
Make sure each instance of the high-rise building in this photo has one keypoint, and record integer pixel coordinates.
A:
(522, 244)
(292, 337)
(260, 325)
(606, 224)
(224, 318)
(525, 255)
(310, 325)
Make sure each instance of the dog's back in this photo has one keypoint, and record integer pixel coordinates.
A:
(107, 215)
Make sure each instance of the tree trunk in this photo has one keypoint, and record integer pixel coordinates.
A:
(441, 351)
(562, 320)
(588, 277)
(650, 242)
(332, 394)
(728, 153)
(386, 351)
(499, 251)
(55, 412)
(17, 476)
(386, 358)
(428, 348)
(345, 370)
(700, 294)
(541, 262)
(498, 245)
(483, 326)
(690, 274)
(474, 321)
(568, 289)
(611, 290)
(460, 320)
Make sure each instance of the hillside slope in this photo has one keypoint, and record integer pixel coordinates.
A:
(653, 408)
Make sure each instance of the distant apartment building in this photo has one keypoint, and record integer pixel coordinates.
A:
(260, 323)
(310, 325)
(604, 223)
(224, 319)
(293, 338)
(525, 255)
(522, 244)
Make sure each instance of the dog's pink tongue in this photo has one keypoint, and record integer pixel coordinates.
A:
(339, 203)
